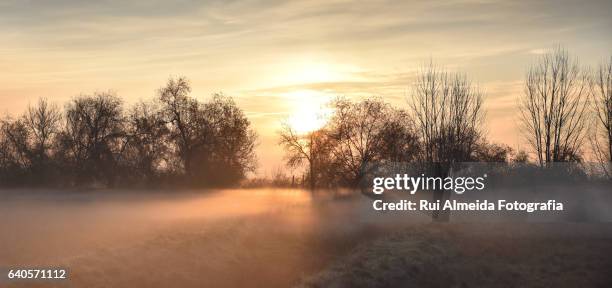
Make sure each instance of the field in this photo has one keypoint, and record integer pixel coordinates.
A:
(283, 238)
(479, 255)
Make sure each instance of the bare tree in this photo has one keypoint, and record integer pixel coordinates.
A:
(214, 140)
(356, 127)
(94, 136)
(28, 142)
(553, 108)
(398, 140)
(7, 155)
(181, 112)
(17, 151)
(210, 142)
(602, 105)
(147, 147)
(43, 122)
(311, 148)
(447, 109)
(359, 136)
(228, 150)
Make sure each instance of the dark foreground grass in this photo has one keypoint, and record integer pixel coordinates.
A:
(478, 255)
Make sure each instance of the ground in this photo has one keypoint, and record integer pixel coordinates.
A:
(284, 238)
(479, 255)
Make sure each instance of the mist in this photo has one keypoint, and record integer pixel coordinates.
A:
(186, 238)
(235, 237)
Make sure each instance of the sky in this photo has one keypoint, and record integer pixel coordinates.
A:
(284, 59)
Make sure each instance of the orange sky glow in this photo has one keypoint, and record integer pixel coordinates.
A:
(283, 61)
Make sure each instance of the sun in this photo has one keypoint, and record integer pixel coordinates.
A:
(309, 81)
(310, 112)
(304, 121)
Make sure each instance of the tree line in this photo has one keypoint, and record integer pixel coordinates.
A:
(175, 139)
(95, 140)
(563, 108)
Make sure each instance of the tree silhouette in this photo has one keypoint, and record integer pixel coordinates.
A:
(602, 104)
(93, 137)
(360, 131)
(312, 148)
(359, 136)
(148, 149)
(554, 108)
(227, 152)
(180, 111)
(214, 140)
(447, 109)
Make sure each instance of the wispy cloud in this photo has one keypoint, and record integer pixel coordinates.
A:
(60, 48)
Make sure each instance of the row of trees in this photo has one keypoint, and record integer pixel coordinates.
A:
(563, 106)
(95, 141)
(443, 125)
(175, 138)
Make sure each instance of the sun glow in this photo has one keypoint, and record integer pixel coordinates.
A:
(310, 84)
(309, 69)
(312, 73)
(310, 111)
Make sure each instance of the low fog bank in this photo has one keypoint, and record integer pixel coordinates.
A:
(124, 239)
(239, 237)
(47, 225)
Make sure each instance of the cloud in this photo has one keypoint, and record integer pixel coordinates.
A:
(538, 51)
(63, 47)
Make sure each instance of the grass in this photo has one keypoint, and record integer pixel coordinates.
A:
(478, 255)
